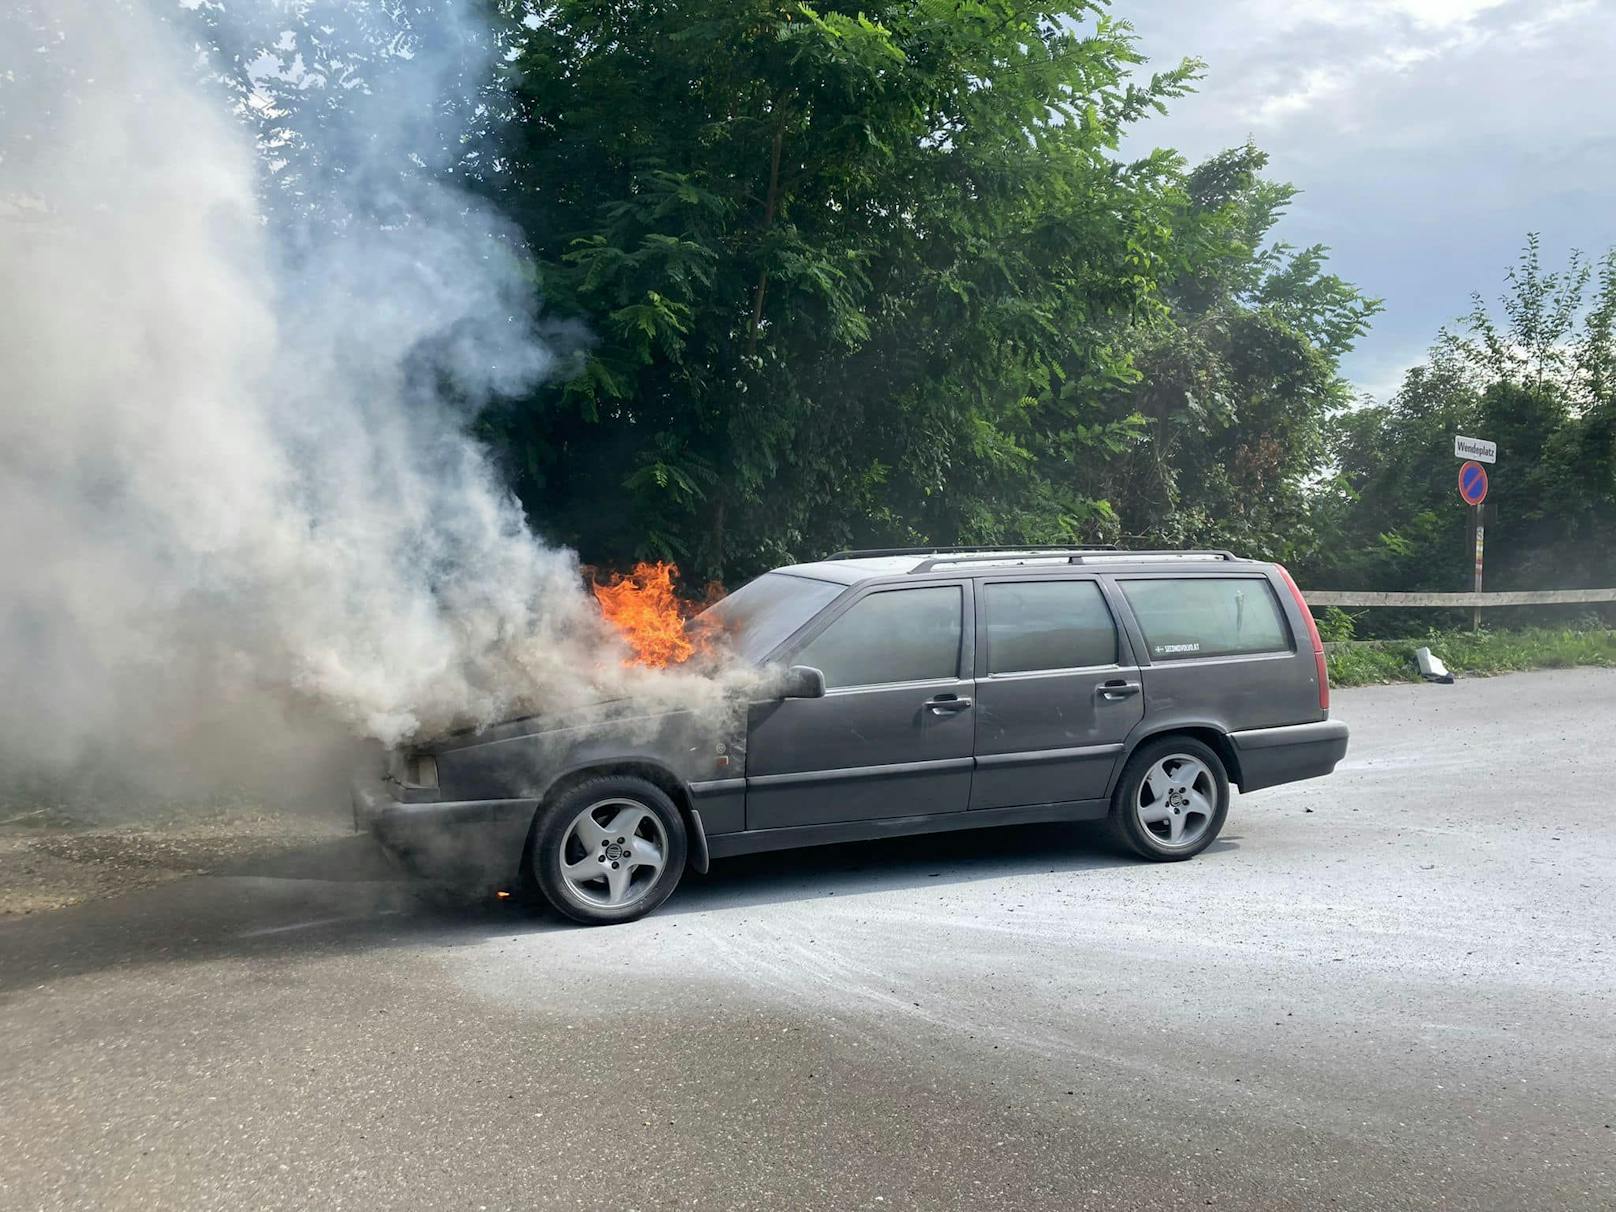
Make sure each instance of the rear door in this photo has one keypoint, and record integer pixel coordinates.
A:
(1220, 651)
(893, 734)
(1057, 691)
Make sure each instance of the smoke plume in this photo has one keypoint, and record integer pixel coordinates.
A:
(240, 514)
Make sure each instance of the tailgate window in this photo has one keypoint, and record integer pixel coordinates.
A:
(1207, 616)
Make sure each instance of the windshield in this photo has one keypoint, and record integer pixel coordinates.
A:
(761, 613)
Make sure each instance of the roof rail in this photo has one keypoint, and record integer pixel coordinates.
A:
(970, 549)
(1192, 553)
(1079, 556)
(1003, 557)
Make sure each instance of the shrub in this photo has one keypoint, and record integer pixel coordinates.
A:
(1476, 653)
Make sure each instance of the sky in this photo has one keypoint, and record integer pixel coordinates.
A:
(1428, 137)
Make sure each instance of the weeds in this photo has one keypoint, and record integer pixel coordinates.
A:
(1477, 653)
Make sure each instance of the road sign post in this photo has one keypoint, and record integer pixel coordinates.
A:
(1473, 491)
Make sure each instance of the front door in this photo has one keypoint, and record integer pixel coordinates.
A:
(893, 734)
(1056, 693)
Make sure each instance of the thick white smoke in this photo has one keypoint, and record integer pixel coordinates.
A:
(238, 507)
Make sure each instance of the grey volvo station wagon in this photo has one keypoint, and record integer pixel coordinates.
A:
(923, 690)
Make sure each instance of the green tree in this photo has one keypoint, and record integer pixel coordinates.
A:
(1237, 380)
(842, 275)
(1535, 378)
(852, 273)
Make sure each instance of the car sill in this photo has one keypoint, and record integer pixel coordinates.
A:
(755, 840)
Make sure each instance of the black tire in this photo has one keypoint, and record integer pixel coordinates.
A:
(1125, 823)
(554, 840)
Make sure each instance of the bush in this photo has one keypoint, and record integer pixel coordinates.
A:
(1477, 653)
(1335, 625)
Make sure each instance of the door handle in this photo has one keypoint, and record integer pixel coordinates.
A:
(1116, 690)
(947, 704)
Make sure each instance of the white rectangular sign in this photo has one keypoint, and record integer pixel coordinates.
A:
(1475, 448)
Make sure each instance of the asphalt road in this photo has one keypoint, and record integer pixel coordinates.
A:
(1392, 988)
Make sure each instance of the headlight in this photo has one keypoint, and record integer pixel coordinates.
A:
(421, 770)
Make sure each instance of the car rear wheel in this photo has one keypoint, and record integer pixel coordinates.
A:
(1171, 801)
(608, 849)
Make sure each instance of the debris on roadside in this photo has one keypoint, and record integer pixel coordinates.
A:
(1431, 667)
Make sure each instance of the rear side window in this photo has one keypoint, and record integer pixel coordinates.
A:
(1207, 616)
(1035, 625)
(906, 635)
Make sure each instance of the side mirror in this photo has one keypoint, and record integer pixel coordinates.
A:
(803, 682)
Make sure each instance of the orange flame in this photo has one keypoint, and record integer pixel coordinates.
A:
(643, 605)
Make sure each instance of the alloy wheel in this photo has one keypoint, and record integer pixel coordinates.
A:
(613, 853)
(1176, 800)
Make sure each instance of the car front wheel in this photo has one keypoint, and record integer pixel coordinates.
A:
(1171, 801)
(609, 849)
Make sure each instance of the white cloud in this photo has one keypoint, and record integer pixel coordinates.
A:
(1367, 14)
(1316, 86)
(1427, 136)
(1438, 14)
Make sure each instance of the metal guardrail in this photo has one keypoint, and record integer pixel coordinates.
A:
(1525, 597)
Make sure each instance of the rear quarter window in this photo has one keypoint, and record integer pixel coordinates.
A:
(1184, 618)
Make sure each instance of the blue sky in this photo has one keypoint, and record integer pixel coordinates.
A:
(1428, 136)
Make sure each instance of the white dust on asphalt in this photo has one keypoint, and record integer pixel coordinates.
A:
(1353, 943)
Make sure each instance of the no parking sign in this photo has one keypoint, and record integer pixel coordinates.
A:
(1472, 482)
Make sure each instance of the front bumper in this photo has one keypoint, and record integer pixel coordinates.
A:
(1270, 756)
(466, 841)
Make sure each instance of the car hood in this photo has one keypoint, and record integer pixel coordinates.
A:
(605, 716)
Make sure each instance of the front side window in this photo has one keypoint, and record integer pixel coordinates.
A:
(1034, 625)
(905, 635)
(1207, 616)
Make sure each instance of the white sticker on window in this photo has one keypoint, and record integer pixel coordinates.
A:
(1168, 649)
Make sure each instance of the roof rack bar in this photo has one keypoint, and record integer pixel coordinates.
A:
(1082, 556)
(967, 549)
(1163, 553)
(1004, 557)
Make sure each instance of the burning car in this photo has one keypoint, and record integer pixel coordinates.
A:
(917, 691)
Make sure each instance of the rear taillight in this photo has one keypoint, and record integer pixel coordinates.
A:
(1313, 635)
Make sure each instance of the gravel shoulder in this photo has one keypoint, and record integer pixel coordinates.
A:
(50, 860)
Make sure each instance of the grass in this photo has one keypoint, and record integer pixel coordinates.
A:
(1476, 653)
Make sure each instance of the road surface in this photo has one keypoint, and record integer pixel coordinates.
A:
(1392, 988)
